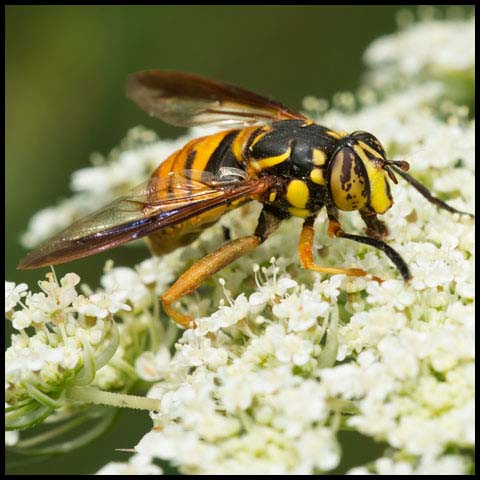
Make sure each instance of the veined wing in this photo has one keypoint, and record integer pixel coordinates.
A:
(186, 100)
(149, 207)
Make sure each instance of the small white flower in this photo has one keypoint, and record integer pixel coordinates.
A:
(90, 307)
(13, 294)
(318, 449)
(21, 319)
(271, 288)
(302, 311)
(330, 288)
(151, 367)
(294, 415)
(125, 284)
(159, 271)
(390, 292)
(225, 316)
(289, 347)
(59, 296)
(100, 304)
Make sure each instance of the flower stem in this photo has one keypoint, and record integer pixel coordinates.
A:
(121, 400)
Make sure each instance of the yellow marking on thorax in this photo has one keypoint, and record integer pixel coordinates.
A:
(338, 135)
(299, 212)
(268, 162)
(319, 157)
(316, 176)
(260, 136)
(380, 199)
(297, 193)
(272, 196)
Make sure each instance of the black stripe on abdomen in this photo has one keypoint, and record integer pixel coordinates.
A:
(223, 155)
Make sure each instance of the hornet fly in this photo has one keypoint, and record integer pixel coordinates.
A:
(266, 152)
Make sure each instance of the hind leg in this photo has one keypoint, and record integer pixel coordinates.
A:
(202, 270)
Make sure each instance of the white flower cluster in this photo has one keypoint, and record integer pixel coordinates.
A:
(63, 323)
(65, 338)
(430, 48)
(287, 358)
(248, 391)
(249, 406)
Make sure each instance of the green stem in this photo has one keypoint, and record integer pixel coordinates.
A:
(65, 446)
(121, 400)
(48, 435)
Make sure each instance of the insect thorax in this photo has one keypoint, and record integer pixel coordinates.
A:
(297, 152)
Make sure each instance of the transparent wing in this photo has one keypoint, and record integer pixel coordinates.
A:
(156, 204)
(186, 100)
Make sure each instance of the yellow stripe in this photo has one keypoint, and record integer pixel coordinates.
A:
(206, 148)
(337, 135)
(268, 162)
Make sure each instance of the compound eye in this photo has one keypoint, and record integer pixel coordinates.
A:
(372, 142)
(348, 180)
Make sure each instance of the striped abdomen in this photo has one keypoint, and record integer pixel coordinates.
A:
(204, 154)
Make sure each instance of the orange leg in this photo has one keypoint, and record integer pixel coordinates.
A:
(305, 249)
(201, 271)
(190, 280)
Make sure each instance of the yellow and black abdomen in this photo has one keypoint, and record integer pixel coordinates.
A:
(175, 179)
(204, 154)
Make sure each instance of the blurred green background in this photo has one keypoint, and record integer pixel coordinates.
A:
(65, 71)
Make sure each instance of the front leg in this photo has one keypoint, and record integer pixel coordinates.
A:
(202, 270)
(305, 248)
(376, 228)
(335, 230)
